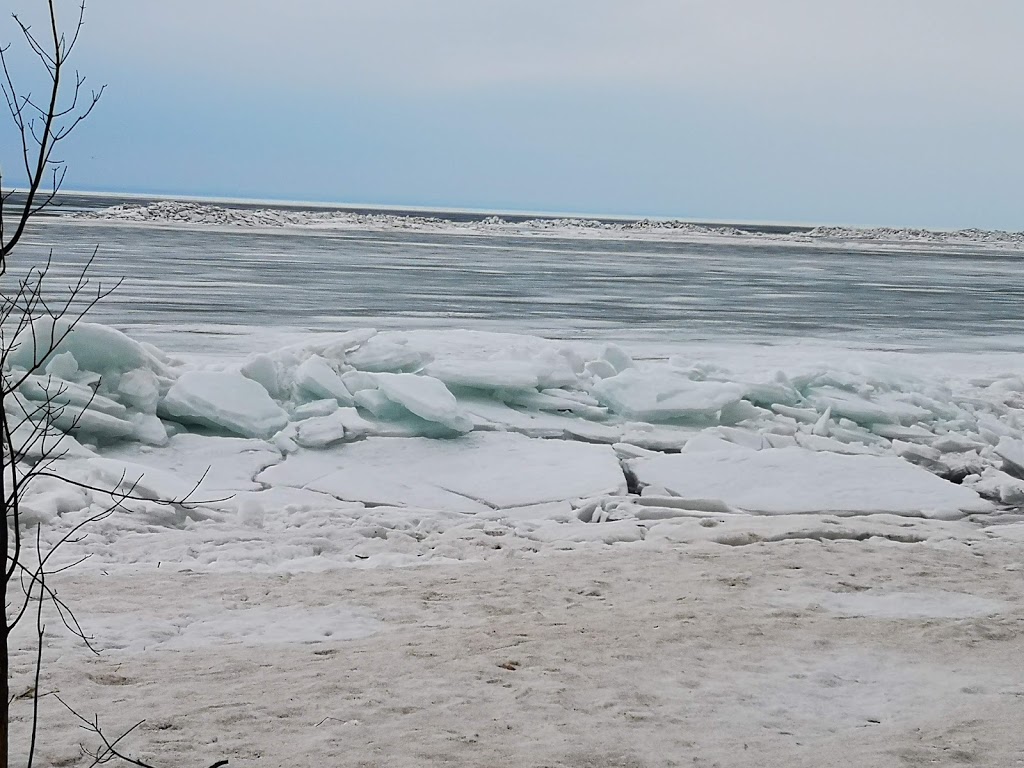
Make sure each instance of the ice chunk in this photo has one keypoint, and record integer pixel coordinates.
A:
(821, 426)
(803, 415)
(660, 395)
(316, 376)
(818, 443)
(96, 348)
(898, 432)
(955, 443)
(139, 389)
(37, 440)
(426, 397)
(149, 429)
(922, 455)
(617, 357)
(355, 425)
(795, 480)
(381, 354)
(58, 393)
(377, 403)
(62, 366)
(882, 410)
(320, 431)
(996, 484)
(704, 442)
(475, 473)
(772, 393)
(574, 395)
(550, 401)
(741, 410)
(357, 381)
(484, 374)
(667, 438)
(335, 346)
(316, 408)
(855, 434)
(73, 408)
(222, 400)
(958, 466)
(262, 369)
(744, 437)
(495, 415)
(554, 369)
(600, 369)
(1012, 453)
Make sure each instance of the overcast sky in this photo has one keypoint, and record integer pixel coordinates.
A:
(896, 112)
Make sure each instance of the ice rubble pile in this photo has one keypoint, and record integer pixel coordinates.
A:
(175, 212)
(909, 235)
(352, 416)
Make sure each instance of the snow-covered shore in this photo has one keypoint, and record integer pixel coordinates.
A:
(776, 655)
(707, 553)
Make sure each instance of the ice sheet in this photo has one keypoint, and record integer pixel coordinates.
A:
(475, 473)
(796, 481)
(227, 401)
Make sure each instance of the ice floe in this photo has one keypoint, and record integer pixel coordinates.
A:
(482, 471)
(796, 480)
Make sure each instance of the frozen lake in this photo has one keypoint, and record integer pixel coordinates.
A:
(225, 282)
(792, 432)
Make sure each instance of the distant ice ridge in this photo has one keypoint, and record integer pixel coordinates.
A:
(895, 234)
(205, 214)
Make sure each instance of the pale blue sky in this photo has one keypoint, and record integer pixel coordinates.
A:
(896, 112)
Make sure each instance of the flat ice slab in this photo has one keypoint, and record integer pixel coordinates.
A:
(227, 401)
(794, 480)
(475, 473)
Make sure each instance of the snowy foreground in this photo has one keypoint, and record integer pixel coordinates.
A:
(650, 562)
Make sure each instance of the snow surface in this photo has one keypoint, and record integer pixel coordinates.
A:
(901, 605)
(637, 654)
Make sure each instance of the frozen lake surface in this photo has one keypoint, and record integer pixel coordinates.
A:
(222, 280)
